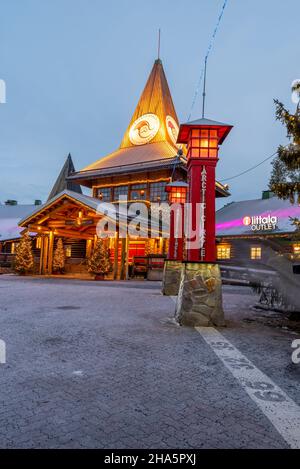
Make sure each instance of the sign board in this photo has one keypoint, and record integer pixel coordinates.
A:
(261, 223)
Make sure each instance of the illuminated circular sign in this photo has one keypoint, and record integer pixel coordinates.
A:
(144, 129)
(247, 221)
(172, 128)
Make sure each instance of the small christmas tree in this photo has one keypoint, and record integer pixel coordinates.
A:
(99, 262)
(24, 261)
(59, 257)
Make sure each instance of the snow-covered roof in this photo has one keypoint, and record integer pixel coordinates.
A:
(229, 219)
(10, 216)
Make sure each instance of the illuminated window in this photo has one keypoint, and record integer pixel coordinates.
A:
(104, 194)
(138, 192)
(157, 192)
(223, 251)
(13, 248)
(38, 243)
(203, 143)
(255, 252)
(296, 250)
(68, 249)
(120, 191)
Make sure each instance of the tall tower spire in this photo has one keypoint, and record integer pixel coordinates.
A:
(154, 118)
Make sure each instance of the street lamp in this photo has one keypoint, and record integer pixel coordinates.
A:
(177, 192)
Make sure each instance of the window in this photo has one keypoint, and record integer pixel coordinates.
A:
(223, 251)
(204, 143)
(38, 243)
(120, 191)
(68, 249)
(255, 252)
(157, 192)
(296, 250)
(13, 248)
(138, 192)
(104, 194)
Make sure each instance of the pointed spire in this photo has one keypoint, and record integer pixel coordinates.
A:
(62, 183)
(155, 99)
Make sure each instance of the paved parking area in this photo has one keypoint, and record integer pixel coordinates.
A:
(102, 365)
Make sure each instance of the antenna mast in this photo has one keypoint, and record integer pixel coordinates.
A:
(158, 51)
(204, 88)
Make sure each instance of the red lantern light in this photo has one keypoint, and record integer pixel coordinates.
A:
(177, 192)
(203, 137)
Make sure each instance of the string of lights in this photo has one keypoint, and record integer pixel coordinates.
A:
(205, 59)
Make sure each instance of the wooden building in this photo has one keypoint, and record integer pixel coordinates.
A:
(147, 159)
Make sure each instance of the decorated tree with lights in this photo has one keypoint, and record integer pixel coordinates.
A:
(99, 262)
(285, 176)
(24, 261)
(59, 257)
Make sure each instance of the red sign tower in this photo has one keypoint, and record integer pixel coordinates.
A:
(203, 137)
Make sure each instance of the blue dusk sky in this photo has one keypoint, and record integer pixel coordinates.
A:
(74, 70)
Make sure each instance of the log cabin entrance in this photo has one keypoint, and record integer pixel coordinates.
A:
(73, 217)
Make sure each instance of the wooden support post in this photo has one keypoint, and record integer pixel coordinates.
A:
(95, 241)
(50, 255)
(88, 251)
(123, 260)
(116, 252)
(41, 270)
(45, 254)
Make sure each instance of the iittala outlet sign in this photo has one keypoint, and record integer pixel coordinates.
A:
(261, 223)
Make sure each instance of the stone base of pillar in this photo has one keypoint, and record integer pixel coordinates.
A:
(171, 277)
(199, 301)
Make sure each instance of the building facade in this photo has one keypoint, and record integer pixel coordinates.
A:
(146, 161)
(249, 232)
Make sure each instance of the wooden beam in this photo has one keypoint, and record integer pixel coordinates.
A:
(71, 234)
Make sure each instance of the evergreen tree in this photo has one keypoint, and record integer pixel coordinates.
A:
(24, 261)
(59, 257)
(285, 176)
(99, 261)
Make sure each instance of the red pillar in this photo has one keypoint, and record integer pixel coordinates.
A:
(177, 191)
(176, 240)
(203, 138)
(201, 176)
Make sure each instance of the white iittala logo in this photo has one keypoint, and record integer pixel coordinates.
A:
(296, 352)
(2, 352)
(2, 92)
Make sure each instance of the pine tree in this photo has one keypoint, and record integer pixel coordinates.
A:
(24, 261)
(285, 176)
(59, 257)
(99, 261)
